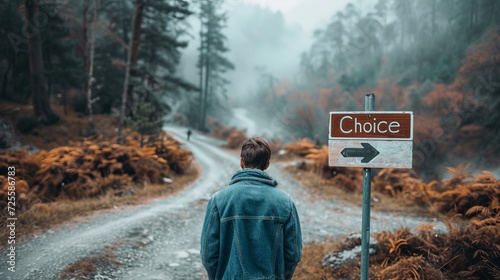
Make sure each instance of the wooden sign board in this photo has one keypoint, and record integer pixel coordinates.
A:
(371, 153)
(371, 125)
(371, 139)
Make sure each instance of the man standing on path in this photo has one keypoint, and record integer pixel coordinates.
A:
(189, 132)
(251, 228)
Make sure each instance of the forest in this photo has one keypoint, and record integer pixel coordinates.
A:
(87, 88)
(77, 56)
(438, 59)
(435, 58)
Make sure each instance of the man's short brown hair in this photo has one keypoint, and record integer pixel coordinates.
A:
(255, 153)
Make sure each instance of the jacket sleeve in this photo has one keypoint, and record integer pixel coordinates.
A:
(210, 239)
(293, 242)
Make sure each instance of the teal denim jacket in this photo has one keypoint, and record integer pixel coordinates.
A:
(251, 230)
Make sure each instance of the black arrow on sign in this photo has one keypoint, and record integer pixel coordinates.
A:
(367, 152)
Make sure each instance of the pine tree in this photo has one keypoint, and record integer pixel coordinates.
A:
(13, 53)
(63, 70)
(146, 120)
(212, 64)
(41, 104)
(50, 52)
(153, 54)
(111, 55)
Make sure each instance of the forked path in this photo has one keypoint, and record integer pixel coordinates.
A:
(160, 240)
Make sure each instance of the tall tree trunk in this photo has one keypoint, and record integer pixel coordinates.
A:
(433, 16)
(41, 103)
(207, 85)
(476, 12)
(136, 34)
(123, 109)
(471, 14)
(207, 64)
(124, 27)
(46, 55)
(402, 33)
(90, 73)
(5, 77)
(200, 97)
(84, 49)
(471, 22)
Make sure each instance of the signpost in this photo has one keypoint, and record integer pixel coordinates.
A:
(374, 139)
(370, 139)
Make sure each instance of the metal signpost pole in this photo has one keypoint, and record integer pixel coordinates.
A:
(365, 219)
(370, 139)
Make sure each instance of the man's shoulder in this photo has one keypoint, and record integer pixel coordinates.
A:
(234, 196)
(239, 187)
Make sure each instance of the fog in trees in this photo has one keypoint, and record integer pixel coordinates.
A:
(285, 66)
(436, 58)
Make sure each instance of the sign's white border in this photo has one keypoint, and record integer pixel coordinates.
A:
(392, 154)
(369, 113)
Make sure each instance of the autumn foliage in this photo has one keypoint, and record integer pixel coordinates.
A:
(349, 179)
(467, 250)
(92, 168)
(455, 119)
(236, 139)
(454, 196)
(219, 130)
(470, 251)
(406, 184)
(459, 195)
(302, 147)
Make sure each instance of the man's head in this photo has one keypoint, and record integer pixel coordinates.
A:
(255, 153)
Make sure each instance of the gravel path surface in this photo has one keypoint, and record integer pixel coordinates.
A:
(161, 240)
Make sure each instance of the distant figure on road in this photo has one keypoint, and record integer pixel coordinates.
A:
(251, 228)
(317, 142)
(189, 132)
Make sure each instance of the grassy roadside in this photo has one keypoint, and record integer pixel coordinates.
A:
(309, 267)
(74, 176)
(379, 201)
(43, 217)
(467, 250)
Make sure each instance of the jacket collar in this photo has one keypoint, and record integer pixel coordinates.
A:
(257, 175)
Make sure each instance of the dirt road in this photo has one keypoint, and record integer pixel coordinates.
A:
(161, 240)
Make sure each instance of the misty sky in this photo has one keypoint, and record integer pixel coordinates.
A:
(264, 34)
(308, 14)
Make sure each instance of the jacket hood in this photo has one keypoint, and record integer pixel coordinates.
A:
(257, 175)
